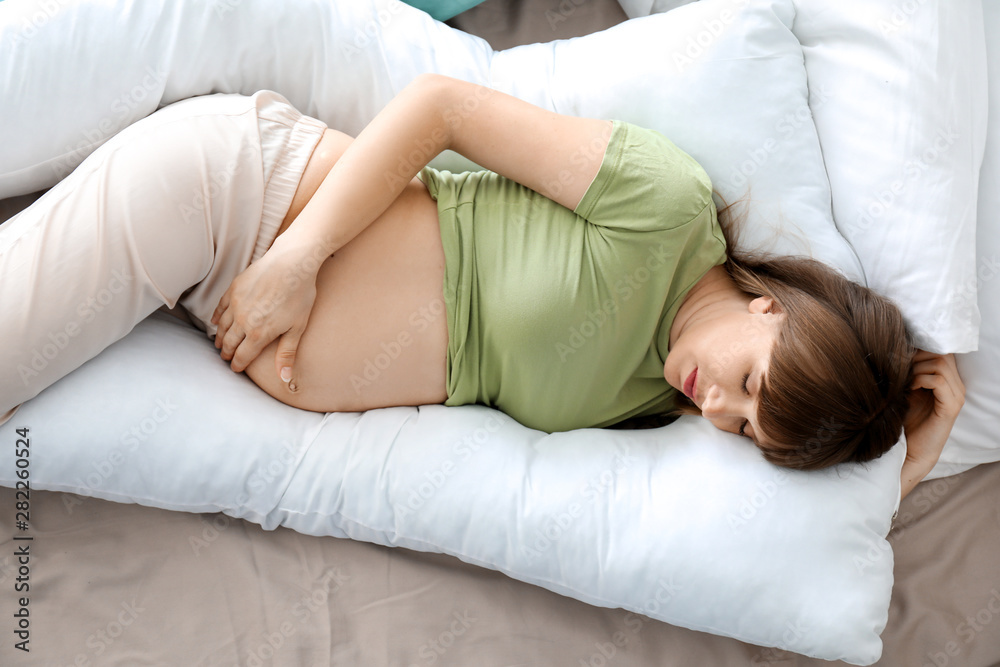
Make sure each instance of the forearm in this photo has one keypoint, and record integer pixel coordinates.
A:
(375, 168)
(911, 475)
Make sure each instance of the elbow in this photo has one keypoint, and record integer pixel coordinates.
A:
(434, 92)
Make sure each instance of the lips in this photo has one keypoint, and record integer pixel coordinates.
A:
(689, 384)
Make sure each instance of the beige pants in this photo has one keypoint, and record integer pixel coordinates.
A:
(169, 211)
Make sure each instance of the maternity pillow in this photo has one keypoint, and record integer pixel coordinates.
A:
(679, 523)
(684, 524)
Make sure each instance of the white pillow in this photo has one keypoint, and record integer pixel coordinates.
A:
(697, 74)
(684, 524)
(347, 84)
(167, 50)
(974, 438)
(899, 99)
(636, 8)
(904, 171)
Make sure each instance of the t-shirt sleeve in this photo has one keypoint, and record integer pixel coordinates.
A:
(645, 183)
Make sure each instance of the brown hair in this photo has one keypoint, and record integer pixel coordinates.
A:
(840, 371)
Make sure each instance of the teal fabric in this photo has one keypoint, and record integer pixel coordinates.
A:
(561, 318)
(443, 10)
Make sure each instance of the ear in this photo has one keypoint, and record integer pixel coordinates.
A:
(765, 304)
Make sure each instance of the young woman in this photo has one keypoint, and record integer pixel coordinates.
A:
(582, 281)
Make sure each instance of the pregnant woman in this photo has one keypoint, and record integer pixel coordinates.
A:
(582, 281)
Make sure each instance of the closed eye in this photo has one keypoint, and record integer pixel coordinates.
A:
(747, 392)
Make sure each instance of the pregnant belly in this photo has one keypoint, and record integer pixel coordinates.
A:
(377, 335)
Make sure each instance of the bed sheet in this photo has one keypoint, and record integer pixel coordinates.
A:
(116, 584)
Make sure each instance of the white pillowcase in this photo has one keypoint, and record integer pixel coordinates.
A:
(684, 524)
(680, 73)
(902, 121)
(898, 96)
(974, 439)
(691, 506)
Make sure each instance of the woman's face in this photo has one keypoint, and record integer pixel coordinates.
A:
(723, 347)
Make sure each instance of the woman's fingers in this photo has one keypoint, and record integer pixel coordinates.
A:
(939, 373)
(270, 298)
(222, 307)
(225, 321)
(233, 340)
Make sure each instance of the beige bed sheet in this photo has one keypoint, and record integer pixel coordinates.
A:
(126, 585)
(115, 584)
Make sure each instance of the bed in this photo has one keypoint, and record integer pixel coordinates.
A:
(117, 583)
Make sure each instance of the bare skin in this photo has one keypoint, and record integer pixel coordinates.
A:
(374, 229)
(380, 293)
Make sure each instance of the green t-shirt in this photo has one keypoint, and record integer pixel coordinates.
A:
(561, 318)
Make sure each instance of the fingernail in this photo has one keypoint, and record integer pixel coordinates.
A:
(286, 374)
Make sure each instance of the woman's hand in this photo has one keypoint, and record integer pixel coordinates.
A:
(936, 397)
(272, 298)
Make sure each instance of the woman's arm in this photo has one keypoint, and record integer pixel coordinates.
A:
(937, 396)
(553, 154)
(912, 474)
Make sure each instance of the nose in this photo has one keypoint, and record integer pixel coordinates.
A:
(721, 403)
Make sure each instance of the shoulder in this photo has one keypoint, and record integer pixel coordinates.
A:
(646, 175)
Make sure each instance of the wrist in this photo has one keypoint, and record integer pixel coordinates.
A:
(912, 473)
(304, 244)
(302, 256)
